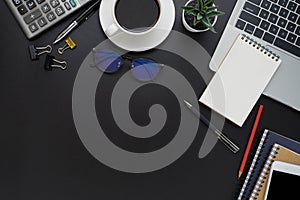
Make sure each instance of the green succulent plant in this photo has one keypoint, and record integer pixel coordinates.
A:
(202, 12)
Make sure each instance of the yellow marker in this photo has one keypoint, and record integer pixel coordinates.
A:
(70, 44)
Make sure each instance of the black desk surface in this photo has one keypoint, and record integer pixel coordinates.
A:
(42, 156)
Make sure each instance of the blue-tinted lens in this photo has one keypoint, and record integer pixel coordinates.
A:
(144, 70)
(107, 61)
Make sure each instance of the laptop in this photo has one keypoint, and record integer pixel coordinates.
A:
(274, 24)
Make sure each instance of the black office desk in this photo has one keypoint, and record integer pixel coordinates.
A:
(42, 156)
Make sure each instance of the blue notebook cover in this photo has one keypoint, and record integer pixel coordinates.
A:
(265, 145)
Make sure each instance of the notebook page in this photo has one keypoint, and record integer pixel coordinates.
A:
(240, 80)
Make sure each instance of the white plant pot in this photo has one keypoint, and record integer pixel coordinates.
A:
(189, 28)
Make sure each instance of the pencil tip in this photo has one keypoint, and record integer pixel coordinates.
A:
(239, 175)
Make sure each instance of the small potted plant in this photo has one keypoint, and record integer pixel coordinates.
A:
(200, 15)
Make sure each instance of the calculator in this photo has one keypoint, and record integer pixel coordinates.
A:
(36, 16)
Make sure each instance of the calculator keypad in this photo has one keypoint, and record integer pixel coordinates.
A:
(35, 15)
(32, 16)
(45, 8)
(17, 2)
(30, 4)
(59, 10)
(51, 16)
(22, 9)
(40, 1)
(54, 3)
(40, 14)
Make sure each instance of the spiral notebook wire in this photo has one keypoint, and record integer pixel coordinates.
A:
(264, 172)
(256, 155)
(260, 47)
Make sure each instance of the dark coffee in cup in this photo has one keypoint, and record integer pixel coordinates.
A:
(135, 16)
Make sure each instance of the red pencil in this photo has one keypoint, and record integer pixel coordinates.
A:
(250, 140)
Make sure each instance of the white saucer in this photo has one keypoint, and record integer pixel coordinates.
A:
(143, 42)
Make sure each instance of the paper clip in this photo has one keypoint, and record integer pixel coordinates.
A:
(70, 44)
(36, 51)
(51, 63)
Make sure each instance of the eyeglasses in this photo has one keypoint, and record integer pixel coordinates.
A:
(110, 62)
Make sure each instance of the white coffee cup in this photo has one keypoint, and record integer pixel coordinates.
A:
(116, 27)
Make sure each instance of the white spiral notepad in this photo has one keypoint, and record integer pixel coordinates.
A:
(240, 80)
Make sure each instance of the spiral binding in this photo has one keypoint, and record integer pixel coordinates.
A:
(260, 47)
(264, 172)
(252, 166)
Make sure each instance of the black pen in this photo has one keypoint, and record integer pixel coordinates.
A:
(81, 18)
(219, 134)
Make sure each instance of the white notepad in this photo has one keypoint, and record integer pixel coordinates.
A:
(240, 80)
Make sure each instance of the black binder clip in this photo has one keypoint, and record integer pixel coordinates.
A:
(51, 63)
(35, 51)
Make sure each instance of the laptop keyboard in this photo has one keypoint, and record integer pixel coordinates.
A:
(274, 21)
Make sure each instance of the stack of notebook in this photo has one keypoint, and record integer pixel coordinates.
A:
(272, 146)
